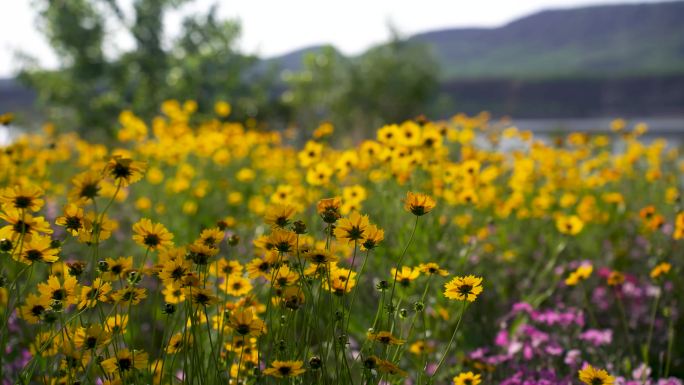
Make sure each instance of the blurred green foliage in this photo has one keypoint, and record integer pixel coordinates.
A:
(390, 82)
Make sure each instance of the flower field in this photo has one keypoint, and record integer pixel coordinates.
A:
(200, 250)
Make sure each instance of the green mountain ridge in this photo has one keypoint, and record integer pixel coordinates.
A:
(596, 41)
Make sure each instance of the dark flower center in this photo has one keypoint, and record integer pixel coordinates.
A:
(73, 223)
(355, 233)
(285, 370)
(59, 294)
(151, 240)
(22, 202)
(283, 247)
(418, 210)
(89, 190)
(202, 298)
(129, 295)
(178, 273)
(116, 269)
(37, 310)
(242, 329)
(22, 227)
(121, 171)
(34, 255)
(125, 364)
(465, 289)
(91, 342)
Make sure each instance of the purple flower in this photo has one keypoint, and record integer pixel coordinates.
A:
(641, 372)
(597, 337)
(670, 381)
(572, 357)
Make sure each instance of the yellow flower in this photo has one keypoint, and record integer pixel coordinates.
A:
(23, 197)
(125, 171)
(211, 237)
(91, 295)
(464, 288)
(324, 129)
(570, 225)
(39, 249)
(116, 324)
(319, 174)
(340, 285)
(125, 361)
(225, 268)
(372, 237)
(55, 292)
(73, 219)
(356, 193)
(34, 308)
(279, 215)
(405, 275)
(679, 226)
(93, 229)
(200, 296)
(615, 278)
(173, 272)
(117, 268)
(283, 240)
(319, 256)
(386, 338)
(236, 286)
(329, 209)
(310, 154)
(222, 108)
(467, 378)
(86, 186)
(152, 235)
(129, 295)
(244, 322)
(22, 223)
(593, 376)
(92, 337)
(280, 369)
(581, 273)
(660, 269)
(418, 204)
(352, 228)
(431, 268)
(285, 277)
(420, 347)
(177, 342)
(6, 118)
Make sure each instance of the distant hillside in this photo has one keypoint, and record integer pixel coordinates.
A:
(612, 40)
(597, 41)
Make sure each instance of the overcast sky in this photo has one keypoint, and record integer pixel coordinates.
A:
(273, 27)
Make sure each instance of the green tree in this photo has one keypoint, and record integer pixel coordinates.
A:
(90, 89)
(388, 83)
